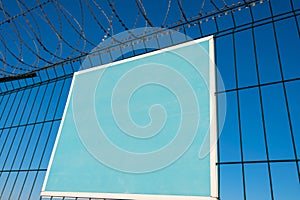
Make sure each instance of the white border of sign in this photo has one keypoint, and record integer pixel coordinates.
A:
(213, 136)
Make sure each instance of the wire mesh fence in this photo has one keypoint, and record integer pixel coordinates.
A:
(257, 53)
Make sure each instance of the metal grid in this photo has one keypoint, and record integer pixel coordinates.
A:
(262, 84)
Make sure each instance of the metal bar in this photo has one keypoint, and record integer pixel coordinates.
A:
(239, 116)
(285, 94)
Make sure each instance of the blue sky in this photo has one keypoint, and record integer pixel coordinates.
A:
(256, 116)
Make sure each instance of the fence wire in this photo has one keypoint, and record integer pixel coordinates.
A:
(259, 146)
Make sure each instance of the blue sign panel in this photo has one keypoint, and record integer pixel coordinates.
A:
(140, 128)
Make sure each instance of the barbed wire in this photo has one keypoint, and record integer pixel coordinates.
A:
(34, 36)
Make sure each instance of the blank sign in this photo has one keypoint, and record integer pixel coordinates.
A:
(140, 128)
